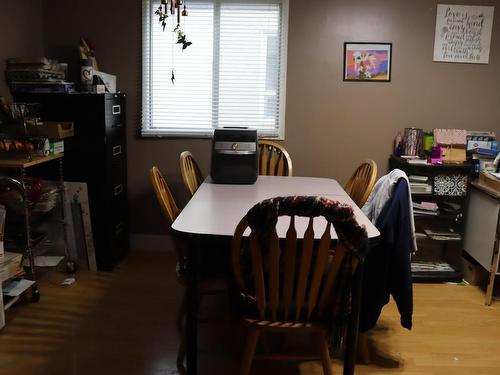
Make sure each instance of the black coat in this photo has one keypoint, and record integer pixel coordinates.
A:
(387, 267)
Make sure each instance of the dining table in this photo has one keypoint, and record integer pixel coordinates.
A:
(215, 210)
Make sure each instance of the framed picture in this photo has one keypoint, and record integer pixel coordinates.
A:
(463, 33)
(370, 62)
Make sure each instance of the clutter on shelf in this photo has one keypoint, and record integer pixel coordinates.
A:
(41, 197)
(37, 74)
(23, 133)
(448, 146)
(91, 79)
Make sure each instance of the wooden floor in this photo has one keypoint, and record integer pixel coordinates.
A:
(123, 323)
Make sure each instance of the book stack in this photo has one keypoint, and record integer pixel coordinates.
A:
(481, 139)
(443, 235)
(37, 75)
(483, 148)
(10, 266)
(420, 184)
(425, 208)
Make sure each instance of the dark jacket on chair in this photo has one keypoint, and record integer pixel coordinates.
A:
(387, 267)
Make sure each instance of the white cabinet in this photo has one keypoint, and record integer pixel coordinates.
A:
(482, 231)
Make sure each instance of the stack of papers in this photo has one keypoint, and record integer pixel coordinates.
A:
(443, 235)
(420, 184)
(10, 265)
(418, 161)
(425, 208)
(17, 287)
(431, 267)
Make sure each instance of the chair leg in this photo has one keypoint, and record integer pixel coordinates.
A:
(181, 354)
(363, 348)
(252, 339)
(325, 355)
(181, 314)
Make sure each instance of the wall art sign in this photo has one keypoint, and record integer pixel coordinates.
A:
(463, 33)
(367, 62)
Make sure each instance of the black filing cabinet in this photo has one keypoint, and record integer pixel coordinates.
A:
(97, 155)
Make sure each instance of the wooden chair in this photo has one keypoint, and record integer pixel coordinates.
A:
(191, 173)
(171, 211)
(293, 286)
(361, 182)
(274, 160)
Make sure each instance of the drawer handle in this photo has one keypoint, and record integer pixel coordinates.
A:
(120, 227)
(118, 189)
(117, 125)
(117, 150)
(117, 109)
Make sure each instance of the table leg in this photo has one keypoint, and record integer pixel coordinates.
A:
(352, 336)
(494, 265)
(192, 310)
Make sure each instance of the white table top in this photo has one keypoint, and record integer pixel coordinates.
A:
(216, 209)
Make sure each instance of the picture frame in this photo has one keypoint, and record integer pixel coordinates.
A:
(367, 62)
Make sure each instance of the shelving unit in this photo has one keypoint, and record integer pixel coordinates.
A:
(97, 156)
(22, 164)
(442, 258)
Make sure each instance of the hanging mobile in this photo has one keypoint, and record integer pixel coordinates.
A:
(162, 14)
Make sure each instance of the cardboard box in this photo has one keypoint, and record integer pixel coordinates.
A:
(52, 129)
(473, 272)
(56, 147)
(10, 266)
(471, 145)
(486, 179)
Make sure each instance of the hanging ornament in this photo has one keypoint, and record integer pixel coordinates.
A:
(174, 6)
(175, 10)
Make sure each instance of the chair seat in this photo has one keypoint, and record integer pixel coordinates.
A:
(282, 326)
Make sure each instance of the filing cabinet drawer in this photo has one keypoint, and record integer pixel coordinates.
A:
(114, 116)
(115, 157)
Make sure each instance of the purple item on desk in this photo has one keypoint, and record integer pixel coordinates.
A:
(436, 155)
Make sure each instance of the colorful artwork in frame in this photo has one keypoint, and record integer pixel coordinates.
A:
(369, 62)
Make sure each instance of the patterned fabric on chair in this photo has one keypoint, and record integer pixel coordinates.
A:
(297, 285)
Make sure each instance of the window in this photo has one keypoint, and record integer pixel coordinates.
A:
(232, 75)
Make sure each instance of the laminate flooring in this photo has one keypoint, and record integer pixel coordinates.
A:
(124, 323)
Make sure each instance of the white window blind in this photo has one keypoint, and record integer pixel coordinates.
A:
(232, 75)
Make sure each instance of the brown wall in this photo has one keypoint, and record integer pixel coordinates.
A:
(330, 124)
(21, 33)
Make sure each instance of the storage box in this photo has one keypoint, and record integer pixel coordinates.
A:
(451, 184)
(52, 129)
(472, 145)
(56, 147)
(486, 179)
(473, 272)
(10, 266)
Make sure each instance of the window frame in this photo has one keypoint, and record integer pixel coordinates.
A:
(147, 132)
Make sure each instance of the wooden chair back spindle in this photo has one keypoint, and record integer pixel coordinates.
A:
(292, 279)
(164, 195)
(190, 171)
(296, 285)
(274, 160)
(360, 184)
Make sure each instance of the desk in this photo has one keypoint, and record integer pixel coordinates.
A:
(215, 210)
(482, 231)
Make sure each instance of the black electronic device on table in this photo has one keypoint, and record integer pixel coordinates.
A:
(234, 156)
